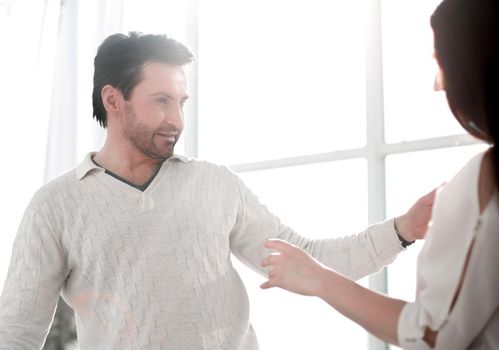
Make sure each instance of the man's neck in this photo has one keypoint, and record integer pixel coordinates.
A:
(130, 165)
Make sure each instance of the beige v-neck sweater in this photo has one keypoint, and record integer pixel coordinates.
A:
(152, 269)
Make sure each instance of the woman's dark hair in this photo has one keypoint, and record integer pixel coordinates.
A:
(466, 48)
(120, 59)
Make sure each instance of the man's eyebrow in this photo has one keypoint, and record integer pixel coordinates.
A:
(164, 94)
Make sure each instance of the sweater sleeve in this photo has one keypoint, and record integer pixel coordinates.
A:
(355, 256)
(36, 273)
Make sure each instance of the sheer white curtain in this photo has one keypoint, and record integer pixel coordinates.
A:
(46, 67)
(72, 131)
(28, 37)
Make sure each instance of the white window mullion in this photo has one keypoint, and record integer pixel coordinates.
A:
(301, 160)
(428, 144)
(375, 139)
(192, 109)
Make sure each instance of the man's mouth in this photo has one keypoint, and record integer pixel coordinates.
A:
(170, 137)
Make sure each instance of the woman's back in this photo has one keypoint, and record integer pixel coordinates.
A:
(458, 290)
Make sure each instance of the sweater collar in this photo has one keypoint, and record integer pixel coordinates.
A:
(87, 166)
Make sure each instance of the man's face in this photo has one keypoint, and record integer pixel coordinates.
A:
(153, 116)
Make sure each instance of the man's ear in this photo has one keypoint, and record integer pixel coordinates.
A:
(112, 99)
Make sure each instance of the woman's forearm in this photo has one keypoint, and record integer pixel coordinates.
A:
(295, 270)
(377, 313)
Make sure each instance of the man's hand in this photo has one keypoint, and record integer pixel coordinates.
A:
(414, 224)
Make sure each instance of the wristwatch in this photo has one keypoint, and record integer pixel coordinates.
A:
(402, 239)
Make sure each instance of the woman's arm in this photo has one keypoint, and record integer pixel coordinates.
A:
(295, 270)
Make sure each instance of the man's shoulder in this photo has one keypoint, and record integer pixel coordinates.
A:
(201, 165)
(54, 187)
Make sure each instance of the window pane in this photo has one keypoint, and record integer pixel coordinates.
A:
(413, 110)
(280, 78)
(408, 176)
(156, 16)
(321, 200)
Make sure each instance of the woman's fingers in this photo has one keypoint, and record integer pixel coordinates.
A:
(267, 285)
(278, 244)
(281, 247)
(270, 260)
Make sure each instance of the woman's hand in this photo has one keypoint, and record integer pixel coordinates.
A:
(293, 269)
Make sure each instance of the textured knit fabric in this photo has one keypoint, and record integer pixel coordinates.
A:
(473, 322)
(141, 187)
(152, 269)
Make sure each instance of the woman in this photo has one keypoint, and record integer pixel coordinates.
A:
(457, 299)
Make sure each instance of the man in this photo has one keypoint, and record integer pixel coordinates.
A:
(138, 240)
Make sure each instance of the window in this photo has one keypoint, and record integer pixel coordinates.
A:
(280, 79)
(412, 109)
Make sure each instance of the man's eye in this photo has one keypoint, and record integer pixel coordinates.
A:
(163, 100)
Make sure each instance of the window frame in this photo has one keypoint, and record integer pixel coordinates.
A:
(375, 150)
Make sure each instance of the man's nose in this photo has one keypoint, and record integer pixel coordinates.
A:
(176, 117)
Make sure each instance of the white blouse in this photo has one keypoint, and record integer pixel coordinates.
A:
(473, 322)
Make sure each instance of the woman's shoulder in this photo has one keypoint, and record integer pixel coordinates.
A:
(473, 185)
(463, 185)
(486, 181)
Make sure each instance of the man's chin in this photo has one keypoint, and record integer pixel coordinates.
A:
(164, 154)
(158, 154)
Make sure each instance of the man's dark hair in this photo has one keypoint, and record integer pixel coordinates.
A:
(120, 59)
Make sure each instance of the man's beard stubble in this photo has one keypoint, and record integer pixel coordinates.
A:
(142, 137)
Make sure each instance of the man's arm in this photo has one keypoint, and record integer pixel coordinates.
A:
(355, 256)
(36, 273)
